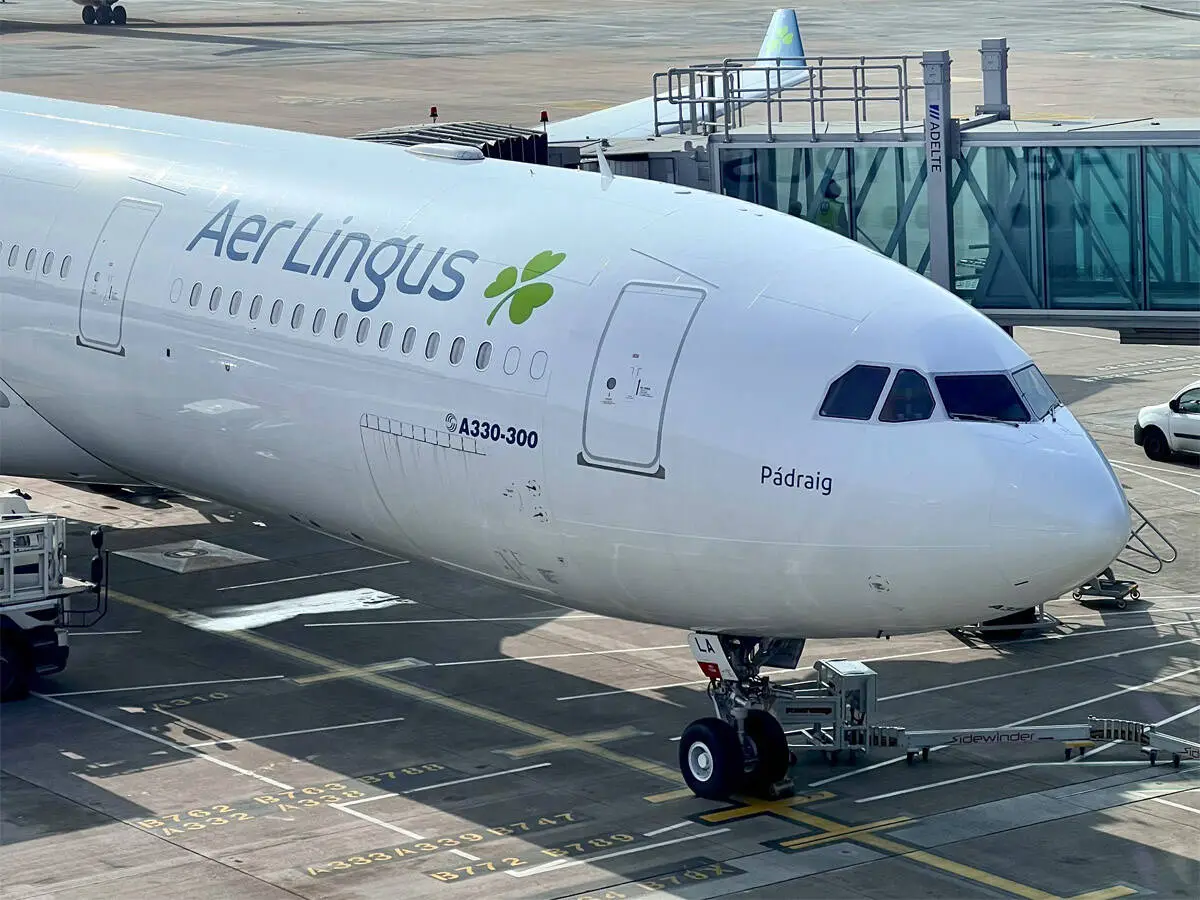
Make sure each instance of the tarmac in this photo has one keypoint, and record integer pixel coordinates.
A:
(265, 712)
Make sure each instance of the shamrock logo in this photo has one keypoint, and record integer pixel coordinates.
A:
(782, 36)
(531, 294)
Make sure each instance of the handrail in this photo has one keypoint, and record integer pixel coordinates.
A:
(1146, 551)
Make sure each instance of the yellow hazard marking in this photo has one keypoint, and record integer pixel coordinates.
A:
(352, 671)
(595, 737)
(813, 840)
(425, 695)
(667, 796)
(783, 808)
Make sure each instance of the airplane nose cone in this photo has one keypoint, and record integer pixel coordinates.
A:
(1058, 515)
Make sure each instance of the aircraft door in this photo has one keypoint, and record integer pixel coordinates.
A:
(631, 376)
(102, 299)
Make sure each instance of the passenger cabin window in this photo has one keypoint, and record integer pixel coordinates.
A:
(909, 400)
(235, 303)
(483, 356)
(66, 267)
(364, 328)
(1039, 396)
(276, 312)
(319, 320)
(13, 253)
(385, 336)
(431, 345)
(456, 350)
(981, 397)
(30, 259)
(48, 263)
(854, 395)
(197, 290)
(214, 300)
(410, 338)
(339, 326)
(298, 316)
(256, 307)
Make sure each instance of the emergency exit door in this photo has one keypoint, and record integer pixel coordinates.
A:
(631, 376)
(106, 281)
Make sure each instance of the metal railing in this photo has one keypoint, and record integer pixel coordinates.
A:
(710, 97)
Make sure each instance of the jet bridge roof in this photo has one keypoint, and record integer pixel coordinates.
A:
(492, 140)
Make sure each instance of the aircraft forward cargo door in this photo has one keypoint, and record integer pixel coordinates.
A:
(631, 376)
(102, 299)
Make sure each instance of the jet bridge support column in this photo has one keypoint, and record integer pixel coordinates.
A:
(993, 58)
(939, 150)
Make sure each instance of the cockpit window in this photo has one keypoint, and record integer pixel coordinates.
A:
(981, 397)
(854, 395)
(909, 400)
(1039, 396)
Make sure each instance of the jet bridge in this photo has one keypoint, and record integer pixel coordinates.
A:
(1092, 223)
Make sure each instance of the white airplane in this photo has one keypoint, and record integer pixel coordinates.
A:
(643, 401)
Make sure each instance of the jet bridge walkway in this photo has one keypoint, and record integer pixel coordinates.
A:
(1085, 223)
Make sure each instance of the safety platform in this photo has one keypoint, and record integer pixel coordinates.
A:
(1092, 223)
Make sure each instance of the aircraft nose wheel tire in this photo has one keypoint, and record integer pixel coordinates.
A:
(774, 757)
(711, 759)
(89, 15)
(118, 15)
(104, 15)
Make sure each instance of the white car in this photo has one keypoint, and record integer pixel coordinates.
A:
(1171, 427)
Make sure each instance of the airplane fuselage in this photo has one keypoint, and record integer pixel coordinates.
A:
(604, 392)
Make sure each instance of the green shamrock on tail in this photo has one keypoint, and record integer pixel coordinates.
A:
(781, 37)
(531, 294)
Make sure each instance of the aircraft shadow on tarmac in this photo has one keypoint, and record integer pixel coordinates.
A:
(73, 755)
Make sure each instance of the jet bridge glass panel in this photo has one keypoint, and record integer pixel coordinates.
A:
(1173, 227)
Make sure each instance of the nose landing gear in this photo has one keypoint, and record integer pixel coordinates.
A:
(104, 13)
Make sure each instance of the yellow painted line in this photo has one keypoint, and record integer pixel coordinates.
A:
(1110, 893)
(668, 796)
(425, 695)
(784, 808)
(812, 840)
(596, 737)
(962, 871)
(354, 671)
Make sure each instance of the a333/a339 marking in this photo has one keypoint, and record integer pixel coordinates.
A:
(491, 431)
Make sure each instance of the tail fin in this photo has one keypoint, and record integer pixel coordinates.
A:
(782, 39)
(635, 119)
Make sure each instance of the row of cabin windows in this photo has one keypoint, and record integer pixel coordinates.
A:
(986, 396)
(458, 347)
(31, 257)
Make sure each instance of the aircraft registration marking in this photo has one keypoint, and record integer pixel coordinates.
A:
(692, 871)
(471, 838)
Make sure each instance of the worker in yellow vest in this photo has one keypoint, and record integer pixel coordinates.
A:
(830, 211)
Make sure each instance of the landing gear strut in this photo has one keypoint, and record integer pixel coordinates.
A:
(104, 13)
(743, 749)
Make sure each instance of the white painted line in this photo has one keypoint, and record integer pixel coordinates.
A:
(1190, 809)
(1018, 723)
(236, 587)
(462, 621)
(1179, 487)
(657, 831)
(1161, 469)
(1139, 612)
(374, 821)
(637, 690)
(100, 633)
(279, 734)
(991, 772)
(499, 659)
(1095, 337)
(154, 687)
(431, 787)
(1046, 668)
(557, 864)
(158, 740)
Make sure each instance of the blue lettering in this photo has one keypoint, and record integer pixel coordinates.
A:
(328, 244)
(290, 263)
(243, 233)
(364, 244)
(456, 277)
(419, 287)
(377, 277)
(278, 226)
(217, 236)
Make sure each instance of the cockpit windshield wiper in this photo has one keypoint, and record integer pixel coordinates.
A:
(975, 417)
